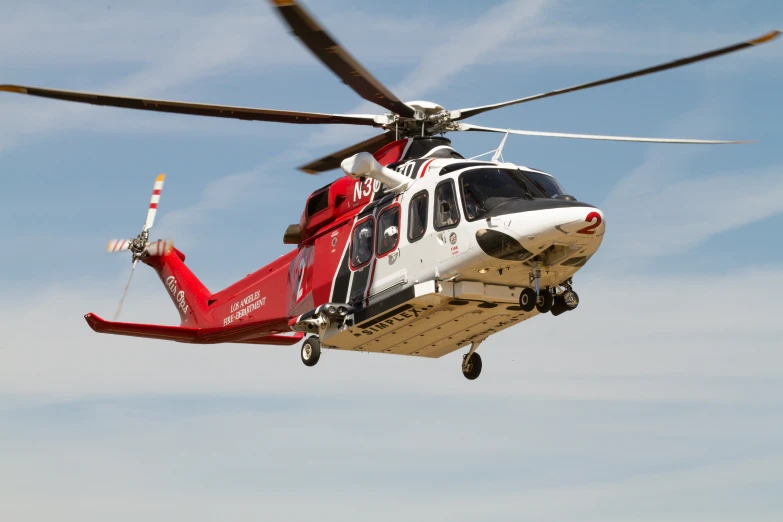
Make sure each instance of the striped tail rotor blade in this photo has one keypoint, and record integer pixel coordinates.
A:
(154, 202)
(160, 247)
(117, 245)
(125, 291)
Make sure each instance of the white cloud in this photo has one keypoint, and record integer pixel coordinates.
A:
(642, 338)
(220, 194)
(683, 214)
(390, 457)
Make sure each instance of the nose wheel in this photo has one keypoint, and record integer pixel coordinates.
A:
(311, 351)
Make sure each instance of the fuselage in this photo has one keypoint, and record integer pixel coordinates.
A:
(459, 220)
(420, 270)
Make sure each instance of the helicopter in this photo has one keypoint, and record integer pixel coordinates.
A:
(416, 251)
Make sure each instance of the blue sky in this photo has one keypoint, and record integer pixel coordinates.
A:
(658, 399)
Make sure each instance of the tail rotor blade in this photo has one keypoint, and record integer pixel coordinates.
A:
(154, 202)
(160, 247)
(117, 245)
(125, 291)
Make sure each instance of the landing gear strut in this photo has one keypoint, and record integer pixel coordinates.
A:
(311, 351)
(471, 362)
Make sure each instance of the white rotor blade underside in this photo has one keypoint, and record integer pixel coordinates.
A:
(479, 128)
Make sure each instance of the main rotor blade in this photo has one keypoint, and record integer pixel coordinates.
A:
(467, 113)
(197, 109)
(331, 53)
(479, 128)
(332, 161)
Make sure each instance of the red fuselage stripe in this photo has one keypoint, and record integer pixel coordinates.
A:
(426, 166)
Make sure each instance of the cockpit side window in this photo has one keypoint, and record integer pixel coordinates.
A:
(318, 202)
(361, 243)
(388, 229)
(417, 216)
(446, 212)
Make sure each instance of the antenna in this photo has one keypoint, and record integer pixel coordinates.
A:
(499, 151)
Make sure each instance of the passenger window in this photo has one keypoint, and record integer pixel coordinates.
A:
(417, 216)
(388, 229)
(361, 243)
(446, 211)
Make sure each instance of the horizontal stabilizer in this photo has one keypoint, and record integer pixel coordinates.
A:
(276, 339)
(150, 331)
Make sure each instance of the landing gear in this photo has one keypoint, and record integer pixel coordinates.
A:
(311, 351)
(565, 302)
(527, 299)
(545, 301)
(471, 363)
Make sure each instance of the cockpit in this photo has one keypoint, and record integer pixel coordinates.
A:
(488, 188)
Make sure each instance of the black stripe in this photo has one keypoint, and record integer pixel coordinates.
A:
(340, 293)
(359, 284)
(384, 304)
(386, 315)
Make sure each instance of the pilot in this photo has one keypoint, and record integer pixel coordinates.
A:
(364, 246)
(471, 202)
(389, 238)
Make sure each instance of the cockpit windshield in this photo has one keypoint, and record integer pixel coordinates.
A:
(487, 188)
(546, 184)
(484, 189)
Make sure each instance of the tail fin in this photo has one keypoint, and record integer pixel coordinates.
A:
(188, 293)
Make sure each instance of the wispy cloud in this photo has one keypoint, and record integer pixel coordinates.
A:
(649, 338)
(223, 193)
(174, 51)
(688, 212)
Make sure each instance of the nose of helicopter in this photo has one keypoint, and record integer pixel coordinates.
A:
(550, 215)
(536, 225)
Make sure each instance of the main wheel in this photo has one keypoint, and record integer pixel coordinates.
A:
(545, 301)
(527, 299)
(311, 351)
(473, 368)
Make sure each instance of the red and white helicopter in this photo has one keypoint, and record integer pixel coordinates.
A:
(416, 251)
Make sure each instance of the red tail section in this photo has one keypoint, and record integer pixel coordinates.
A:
(252, 310)
(189, 295)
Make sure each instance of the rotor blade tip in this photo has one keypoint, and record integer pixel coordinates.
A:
(765, 38)
(309, 171)
(282, 3)
(160, 177)
(13, 88)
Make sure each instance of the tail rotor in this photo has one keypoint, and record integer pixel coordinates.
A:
(140, 246)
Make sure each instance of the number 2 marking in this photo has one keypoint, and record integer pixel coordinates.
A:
(590, 229)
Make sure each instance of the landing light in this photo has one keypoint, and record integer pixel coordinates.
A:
(483, 270)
